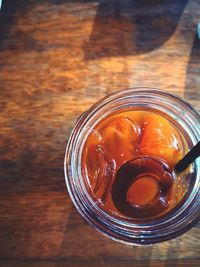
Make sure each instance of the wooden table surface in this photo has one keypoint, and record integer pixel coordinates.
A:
(57, 58)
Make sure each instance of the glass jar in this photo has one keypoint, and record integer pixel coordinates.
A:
(168, 226)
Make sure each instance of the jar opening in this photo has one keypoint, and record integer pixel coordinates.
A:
(86, 161)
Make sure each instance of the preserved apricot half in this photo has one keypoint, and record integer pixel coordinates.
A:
(120, 138)
(160, 139)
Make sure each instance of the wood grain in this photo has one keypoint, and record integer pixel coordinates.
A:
(135, 263)
(57, 58)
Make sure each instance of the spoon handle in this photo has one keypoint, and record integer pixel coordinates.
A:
(188, 158)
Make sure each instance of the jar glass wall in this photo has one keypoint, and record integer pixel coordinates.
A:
(131, 231)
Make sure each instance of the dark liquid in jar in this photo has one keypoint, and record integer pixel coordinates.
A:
(148, 146)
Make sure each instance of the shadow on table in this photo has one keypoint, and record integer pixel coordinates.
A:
(121, 27)
(192, 85)
(7, 17)
(124, 27)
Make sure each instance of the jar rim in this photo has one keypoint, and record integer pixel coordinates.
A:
(105, 223)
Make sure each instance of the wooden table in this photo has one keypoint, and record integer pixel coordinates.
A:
(57, 58)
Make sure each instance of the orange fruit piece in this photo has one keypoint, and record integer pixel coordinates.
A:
(119, 139)
(143, 191)
(161, 139)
